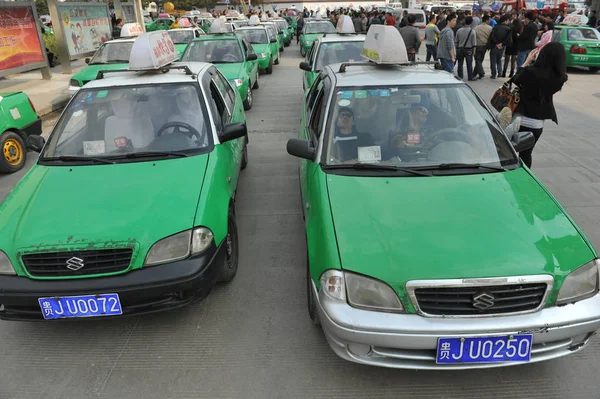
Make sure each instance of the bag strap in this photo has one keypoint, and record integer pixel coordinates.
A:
(468, 37)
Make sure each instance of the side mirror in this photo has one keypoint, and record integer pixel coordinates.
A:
(251, 57)
(233, 131)
(522, 141)
(87, 60)
(301, 148)
(35, 142)
(305, 66)
(274, 40)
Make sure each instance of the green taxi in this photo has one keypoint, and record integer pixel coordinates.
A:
(140, 175)
(582, 45)
(285, 31)
(233, 55)
(265, 45)
(18, 121)
(278, 33)
(292, 25)
(459, 257)
(159, 24)
(183, 36)
(313, 29)
(205, 23)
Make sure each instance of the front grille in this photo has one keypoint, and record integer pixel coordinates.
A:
(485, 300)
(77, 263)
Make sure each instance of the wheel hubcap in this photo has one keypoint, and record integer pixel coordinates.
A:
(249, 96)
(13, 153)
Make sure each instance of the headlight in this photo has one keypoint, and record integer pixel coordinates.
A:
(237, 82)
(179, 246)
(262, 55)
(580, 284)
(332, 283)
(5, 266)
(74, 83)
(367, 293)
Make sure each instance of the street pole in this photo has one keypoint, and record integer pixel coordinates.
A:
(61, 45)
(139, 14)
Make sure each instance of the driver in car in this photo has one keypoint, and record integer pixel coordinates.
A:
(346, 138)
(413, 127)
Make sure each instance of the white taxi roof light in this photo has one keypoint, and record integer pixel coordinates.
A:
(253, 20)
(152, 50)
(384, 45)
(184, 23)
(575, 20)
(218, 26)
(131, 29)
(264, 18)
(345, 25)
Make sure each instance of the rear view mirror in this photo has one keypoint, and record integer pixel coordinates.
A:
(233, 131)
(305, 66)
(273, 40)
(301, 148)
(35, 142)
(251, 57)
(522, 141)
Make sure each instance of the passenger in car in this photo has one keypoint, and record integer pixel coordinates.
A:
(347, 139)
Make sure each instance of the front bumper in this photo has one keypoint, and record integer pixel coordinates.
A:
(409, 341)
(263, 63)
(141, 291)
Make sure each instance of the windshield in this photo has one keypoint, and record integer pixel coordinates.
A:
(333, 53)
(117, 121)
(582, 34)
(241, 23)
(255, 36)
(181, 36)
(282, 25)
(112, 53)
(413, 126)
(223, 51)
(319, 27)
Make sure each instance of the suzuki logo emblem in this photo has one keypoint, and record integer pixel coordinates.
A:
(483, 301)
(75, 263)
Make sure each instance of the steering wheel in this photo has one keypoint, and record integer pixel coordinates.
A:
(454, 133)
(176, 125)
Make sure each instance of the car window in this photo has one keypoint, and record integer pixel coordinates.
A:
(413, 126)
(255, 36)
(218, 108)
(312, 95)
(222, 51)
(225, 89)
(120, 120)
(317, 117)
(271, 33)
(333, 53)
(112, 53)
(582, 34)
(556, 35)
(319, 27)
(181, 36)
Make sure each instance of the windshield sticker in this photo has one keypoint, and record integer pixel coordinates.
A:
(89, 98)
(361, 94)
(369, 154)
(93, 147)
(346, 94)
(120, 142)
(324, 46)
(102, 94)
(344, 103)
(384, 93)
(393, 90)
(77, 113)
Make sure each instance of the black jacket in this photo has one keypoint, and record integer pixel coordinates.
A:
(528, 36)
(501, 34)
(537, 87)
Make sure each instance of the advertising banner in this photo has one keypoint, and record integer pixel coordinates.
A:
(19, 38)
(85, 26)
(128, 12)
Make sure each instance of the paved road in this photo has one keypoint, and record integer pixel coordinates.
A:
(253, 338)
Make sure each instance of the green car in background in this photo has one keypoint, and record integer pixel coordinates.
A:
(582, 45)
(265, 45)
(312, 30)
(205, 23)
(284, 28)
(159, 24)
(111, 56)
(292, 25)
(233, 55)
(278, 33)
(183, 36)
(18, 122)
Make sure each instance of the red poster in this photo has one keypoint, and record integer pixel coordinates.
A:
(19, 41)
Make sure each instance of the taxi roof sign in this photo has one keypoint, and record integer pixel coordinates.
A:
(345, 25)
(218, 26)
(384, 45)
(131, 29)
(253, 20)
(152, 50)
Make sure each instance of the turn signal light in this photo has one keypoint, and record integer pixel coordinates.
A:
(575, 49)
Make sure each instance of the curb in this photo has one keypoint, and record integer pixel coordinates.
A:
(56, 105)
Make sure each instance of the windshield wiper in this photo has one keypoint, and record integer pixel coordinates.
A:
(147, 154)
(372, 166)
(457, 165)
(75, 158)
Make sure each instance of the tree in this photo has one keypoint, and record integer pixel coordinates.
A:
(42, 7)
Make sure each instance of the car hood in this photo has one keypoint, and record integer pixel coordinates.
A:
(231, 71)
(91, 71)
(261, 48)
(66, 207)
(467, 226)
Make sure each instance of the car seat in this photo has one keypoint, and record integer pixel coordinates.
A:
(125, 123)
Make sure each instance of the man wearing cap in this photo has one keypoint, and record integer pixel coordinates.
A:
(346, 138)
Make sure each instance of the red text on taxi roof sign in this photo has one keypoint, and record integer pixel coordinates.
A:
(152, 50)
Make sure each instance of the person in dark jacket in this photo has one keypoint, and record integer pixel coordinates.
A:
(299, 27)
(538, 81)
(500, 38)
(510, 54)
(346, 138)
(527, 38)
(592, 20)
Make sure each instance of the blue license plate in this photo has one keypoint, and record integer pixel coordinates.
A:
(80, 306)
(514, 348)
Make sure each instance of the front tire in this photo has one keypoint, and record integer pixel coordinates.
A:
(13, 152)
(230, 265)
(269, 69)
(311, 302)
(594, 69)
(277, 60)
(256, 80)
(245, 155)
(302, 52)
(249, 99)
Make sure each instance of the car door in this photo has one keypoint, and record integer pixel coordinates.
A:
(273, 45)
(251, 66)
